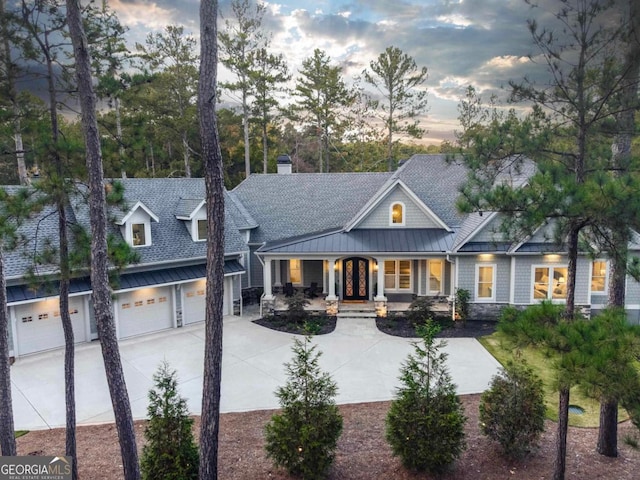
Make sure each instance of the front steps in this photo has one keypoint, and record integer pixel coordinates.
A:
(357, 310)
(353, 314)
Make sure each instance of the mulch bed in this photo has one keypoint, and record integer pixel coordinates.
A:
(401, 326)
(317, 324)
(397, 325)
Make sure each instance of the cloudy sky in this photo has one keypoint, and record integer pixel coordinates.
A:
(484, 43)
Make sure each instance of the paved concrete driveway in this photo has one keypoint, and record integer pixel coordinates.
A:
(363, 361)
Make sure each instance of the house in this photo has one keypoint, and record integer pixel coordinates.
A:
(164, 221)
(389, 237)
(371, 238)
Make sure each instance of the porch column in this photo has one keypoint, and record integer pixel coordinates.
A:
(380, 293)
(278, 282)
(266, 275)
(331, 300)
(332, 279)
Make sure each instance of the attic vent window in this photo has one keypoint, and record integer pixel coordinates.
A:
(397, 214)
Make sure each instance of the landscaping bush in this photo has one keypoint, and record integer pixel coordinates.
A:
(171, 452)
(425, 424)
(420, 311)
(462, 304)
(512, 411)
(303, 437)
(295, 308)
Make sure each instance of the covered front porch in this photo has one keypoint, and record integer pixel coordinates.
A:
(357, 283)
(376, 267)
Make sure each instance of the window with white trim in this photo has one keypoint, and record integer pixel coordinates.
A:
(599, 276)
(202, 229)
(436, 269)
(138, 234)
(485, 282)
(549, 283)
(396, 214)
(397, 275)
(295, 271)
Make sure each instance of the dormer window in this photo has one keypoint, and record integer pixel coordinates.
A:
(193, 212)
(135, 225)
(396, 214)
(138, 235)
(202, 230)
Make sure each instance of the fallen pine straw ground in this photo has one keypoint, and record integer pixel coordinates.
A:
(362, 452)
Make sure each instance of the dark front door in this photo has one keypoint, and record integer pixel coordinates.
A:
(355, 278)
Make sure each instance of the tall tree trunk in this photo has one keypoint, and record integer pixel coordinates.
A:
(608, 432)
(101, 296)
(67, 327)
(265, 147)
(11, 90)
(7, 433)
(560, 462)
(210, 420)
(245, 131)
(186, 156)
(390, 135)
(116, 107)
(60, 196)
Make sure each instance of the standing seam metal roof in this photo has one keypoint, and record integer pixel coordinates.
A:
(423, 240)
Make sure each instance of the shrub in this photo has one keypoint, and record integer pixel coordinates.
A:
(512, 411)
(462, 304)
(419, 311)
(295, 308)
(425, 424)
(303, 437)
(171, 452)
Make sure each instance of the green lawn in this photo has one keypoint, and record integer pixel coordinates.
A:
(497, 345)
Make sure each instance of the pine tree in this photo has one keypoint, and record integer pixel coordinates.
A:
(213, 178)
(303, 437)
(397, 77)
(171, 452)
(425, 424)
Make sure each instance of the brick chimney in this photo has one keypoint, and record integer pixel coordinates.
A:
(284, 164)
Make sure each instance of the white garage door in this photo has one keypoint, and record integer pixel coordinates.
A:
(39, 326)
(193, 306)
(144, 311)
(194, 300)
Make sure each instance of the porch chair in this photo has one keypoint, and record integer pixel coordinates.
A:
(312, 291)
(288, 289)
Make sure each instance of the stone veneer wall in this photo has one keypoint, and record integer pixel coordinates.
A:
(485, 311)
(492, 311)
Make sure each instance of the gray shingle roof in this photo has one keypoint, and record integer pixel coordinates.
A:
(437, 183)
(287, 206)
(187, 206)
(298, 204)
(171, 241)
